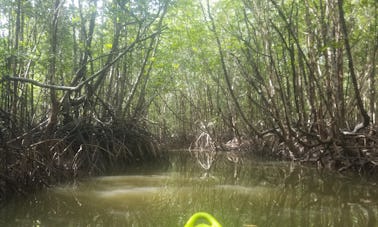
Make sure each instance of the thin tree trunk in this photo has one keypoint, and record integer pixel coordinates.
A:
(360, 105)
(14, 61)
(225, 71)
(372, 74)
(53, 118)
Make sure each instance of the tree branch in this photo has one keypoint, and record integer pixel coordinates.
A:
(81, 84)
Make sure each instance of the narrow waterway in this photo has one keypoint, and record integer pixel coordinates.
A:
(254, 193)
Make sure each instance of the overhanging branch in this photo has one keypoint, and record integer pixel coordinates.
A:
(39, 84)
(81, 84)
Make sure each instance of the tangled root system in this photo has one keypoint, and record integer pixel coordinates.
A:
(34, 160)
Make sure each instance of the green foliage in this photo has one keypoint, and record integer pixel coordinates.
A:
(162, 57)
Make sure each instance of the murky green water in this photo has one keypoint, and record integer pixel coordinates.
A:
(263, 193)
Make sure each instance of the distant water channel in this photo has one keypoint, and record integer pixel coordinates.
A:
(259, 193)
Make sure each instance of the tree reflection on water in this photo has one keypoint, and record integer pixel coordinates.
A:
(263, 194)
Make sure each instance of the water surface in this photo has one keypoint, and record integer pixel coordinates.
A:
(259, 193)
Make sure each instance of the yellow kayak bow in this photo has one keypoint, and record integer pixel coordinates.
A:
(202, 216)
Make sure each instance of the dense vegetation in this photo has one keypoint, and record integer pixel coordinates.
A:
(89, 83)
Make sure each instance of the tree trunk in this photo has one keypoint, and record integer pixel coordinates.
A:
(225, 71)
(53, 117)
(360, 105)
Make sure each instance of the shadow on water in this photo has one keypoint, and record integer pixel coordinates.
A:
(263, 193)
